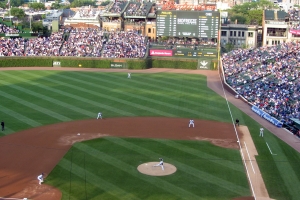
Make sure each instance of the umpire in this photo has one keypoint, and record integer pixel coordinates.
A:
(2, 125)
(237, 122)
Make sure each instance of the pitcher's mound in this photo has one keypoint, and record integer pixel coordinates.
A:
(149, 169)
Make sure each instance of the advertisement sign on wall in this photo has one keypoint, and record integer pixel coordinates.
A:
(295, 31)
(160, 52)
(267, 116)
(56, 64)
(118, 65)
(204, 64)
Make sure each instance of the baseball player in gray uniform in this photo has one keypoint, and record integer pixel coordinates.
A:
(41, 178)
(161, 163)
(191, 123)
(99, 115)
(261, 132)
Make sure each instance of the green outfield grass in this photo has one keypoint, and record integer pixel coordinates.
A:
(35, 98)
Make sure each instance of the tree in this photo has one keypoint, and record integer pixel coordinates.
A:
(37, 6)
(3, 5)
(254, 17)
(17, 12)
(251, 11)
(240, 19)
(105, 3)
(229, 47)
(80, 3)
(37, 27)
(56, 5)
(16, 3)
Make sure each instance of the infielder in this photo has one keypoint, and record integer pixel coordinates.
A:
(99, 115)
(129, 75)
(161, 163)
(261, 132)
(191, 123)
(41, 178)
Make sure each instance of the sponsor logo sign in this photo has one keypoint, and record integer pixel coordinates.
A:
(11, 34)
(117, 65)
(295, 32)
(267, 116)
(204, 64)
(160, 52)
(56, 64)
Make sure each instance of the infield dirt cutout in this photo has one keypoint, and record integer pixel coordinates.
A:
(150, 169)
(40, 149)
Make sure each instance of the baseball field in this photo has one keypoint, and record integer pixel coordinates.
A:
(144, 118)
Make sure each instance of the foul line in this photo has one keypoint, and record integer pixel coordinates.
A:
(270, 149)
(237, 136)
(249, 157)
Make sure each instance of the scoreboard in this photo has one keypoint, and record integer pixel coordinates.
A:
(179, 23)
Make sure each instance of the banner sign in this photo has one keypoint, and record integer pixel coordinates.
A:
(11, 34)
(204, 64)
(56, 64)
(186, 53)
(266, 116)
(161, 52)
(119, 65)
(295, 31)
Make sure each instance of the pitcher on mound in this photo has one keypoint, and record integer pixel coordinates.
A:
(161, 163)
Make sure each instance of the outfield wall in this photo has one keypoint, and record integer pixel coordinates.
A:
(150, 62)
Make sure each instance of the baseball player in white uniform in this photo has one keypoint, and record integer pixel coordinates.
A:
(191, 123)
(129, 75)
(161, 163)
(41, 178)
(261, 132)
(99, 115)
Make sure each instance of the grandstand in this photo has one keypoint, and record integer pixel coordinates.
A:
(92, 32)
(268, 78)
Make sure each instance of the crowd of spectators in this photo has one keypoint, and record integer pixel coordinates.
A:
(7, 29)
(83, 43)
(136, 9)
(12, 47)
(267, 77)
(125, 45)
(118, 6)
(294, 14)
(87, 13)
(44, 46)
(78, 42)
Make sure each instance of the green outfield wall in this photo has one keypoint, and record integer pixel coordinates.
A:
(150, 62)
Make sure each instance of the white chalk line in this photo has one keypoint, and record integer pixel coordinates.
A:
(249, 157)
(270, 150)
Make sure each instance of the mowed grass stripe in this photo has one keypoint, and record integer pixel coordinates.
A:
(289, 176)
(153, 92)
(160, 183)
(202, 155)
(155, 83)
(20, 117)
(35, 107)
(96, 180)
(135, 105)
(79, 98)
(186, 168)
(7, 131)
(44, 97)
(169, 86)
(145, 99)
